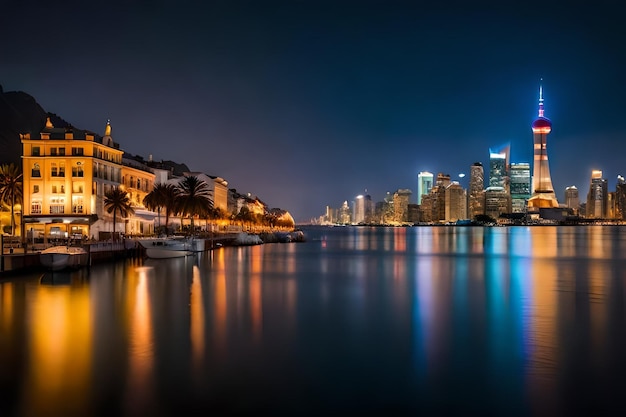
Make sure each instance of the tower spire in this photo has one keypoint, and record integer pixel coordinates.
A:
(541, 99)
(107, 129)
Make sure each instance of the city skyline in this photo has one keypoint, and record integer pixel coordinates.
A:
(309, 103)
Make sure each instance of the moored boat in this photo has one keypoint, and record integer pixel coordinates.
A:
(57, 258)
(162, 248)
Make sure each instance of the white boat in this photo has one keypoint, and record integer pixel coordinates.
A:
(57, 258)
(162, 248)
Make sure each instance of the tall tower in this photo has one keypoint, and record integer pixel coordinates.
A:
(424, 184)
(476, 198)
(542, 191)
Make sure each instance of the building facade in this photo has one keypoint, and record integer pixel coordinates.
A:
(572, 200)
(66, 173)
(401, 199)
(424, 184)
(597, 197)
(519, 186)
(476, 197)
(455, 202)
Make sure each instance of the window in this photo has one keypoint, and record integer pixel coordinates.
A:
(57, 205)
(53, 151)
(35, 206)
(35, 189)
(77, 170)
(139, 183)
(77, 188)
(61, 169)
(54, 170)
(35, 171)
(77, 151)
(54, 189)
(36, 151)
(77, 205)
(62, 151)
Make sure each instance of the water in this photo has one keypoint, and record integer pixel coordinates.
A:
(368, 321)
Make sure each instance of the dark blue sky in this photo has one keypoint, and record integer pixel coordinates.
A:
(308, 103)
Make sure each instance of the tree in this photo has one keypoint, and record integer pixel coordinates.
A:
(194, 198)
(116, 200)
(163, 196)
(11, 189)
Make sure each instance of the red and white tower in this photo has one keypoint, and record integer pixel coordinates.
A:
(542, 191)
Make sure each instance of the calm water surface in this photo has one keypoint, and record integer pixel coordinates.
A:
(369, 321)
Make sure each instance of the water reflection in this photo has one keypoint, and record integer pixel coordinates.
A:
(443, 320)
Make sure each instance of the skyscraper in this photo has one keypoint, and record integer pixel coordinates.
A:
(401, 205)
(543, 195)
(456, 199)
(571, 198)
(597, 196)
(476, 199)
(620, 198)
(519, 186)
(497, 169)
(424, 184)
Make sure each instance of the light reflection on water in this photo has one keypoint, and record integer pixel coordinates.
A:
(445, 320)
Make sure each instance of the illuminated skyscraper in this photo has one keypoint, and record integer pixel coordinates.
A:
(597, 196)
(401, 205)
(571, 198)
(476, 199)
(424, 185)
(497, 169)
(519, 186)
(620, 198)
(543, 195)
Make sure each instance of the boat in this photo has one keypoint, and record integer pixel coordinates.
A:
(57, 258)
(163, 248)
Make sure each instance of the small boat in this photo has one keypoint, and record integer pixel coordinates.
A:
(162, 248)
(57, 258)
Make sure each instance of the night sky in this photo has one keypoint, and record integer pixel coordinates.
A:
(309, 103)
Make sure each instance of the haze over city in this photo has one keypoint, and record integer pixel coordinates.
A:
(309, 103)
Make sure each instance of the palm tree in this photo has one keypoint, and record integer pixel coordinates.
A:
(11, 189)
(116, 200)
(162, 196)
(194, 198)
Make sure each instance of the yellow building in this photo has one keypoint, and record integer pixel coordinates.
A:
(66, 173)
(138, 181)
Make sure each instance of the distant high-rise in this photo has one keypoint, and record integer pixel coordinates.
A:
(344, 213)
(571, 198)
(476, 198)
(519, 186)
(455, 206)
(363, 209)
(620, 198)
(597, 197)
(401, 205)
(498, 163)
(543, 195)
(424, 184)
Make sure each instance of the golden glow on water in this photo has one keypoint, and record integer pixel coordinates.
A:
(197, 319)
(256, 296)
(543, 357)
(598, 273)
(59, 349)
(219, 302)
(599, 243)
(399, 239)
(140, 340)
(6, 307)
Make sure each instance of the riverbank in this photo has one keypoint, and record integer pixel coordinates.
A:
(19, 260)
